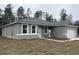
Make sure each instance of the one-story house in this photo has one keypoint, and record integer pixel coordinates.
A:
(37, 28)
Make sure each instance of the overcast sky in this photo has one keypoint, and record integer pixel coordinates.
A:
(53, 9)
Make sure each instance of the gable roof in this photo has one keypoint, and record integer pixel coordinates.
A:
(41, 22)
(35, 21)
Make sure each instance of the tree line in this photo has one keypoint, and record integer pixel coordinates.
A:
(7, 16)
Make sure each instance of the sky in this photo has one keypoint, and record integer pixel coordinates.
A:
(53, 9)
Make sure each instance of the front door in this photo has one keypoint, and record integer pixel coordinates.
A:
(49, 32)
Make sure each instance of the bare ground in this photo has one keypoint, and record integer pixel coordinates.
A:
(37, 47)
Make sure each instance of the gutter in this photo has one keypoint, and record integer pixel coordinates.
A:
(8, 24)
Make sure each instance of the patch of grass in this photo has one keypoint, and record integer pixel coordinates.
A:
(37, 46)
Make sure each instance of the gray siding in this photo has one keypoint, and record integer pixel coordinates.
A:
(72, 32)
(29, 29)
(29, 32)
(7, 31)
(42, 32)
(26, 36)
(16, 28)
(39, 31)
(61, 32)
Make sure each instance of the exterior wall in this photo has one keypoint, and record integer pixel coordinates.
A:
(26, 36)
(15, 32)
(29, 35)
(39, 31)
(42, 32)
(72, 32)
(7, 31)
(62, 32)
(45, 34)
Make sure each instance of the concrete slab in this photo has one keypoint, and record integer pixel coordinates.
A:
(75, 39)
(58, 40)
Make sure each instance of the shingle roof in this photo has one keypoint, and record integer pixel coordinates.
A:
(40, 22)
(35, 22)
(43, 22)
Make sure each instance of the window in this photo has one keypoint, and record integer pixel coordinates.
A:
(45, 30)
(24, 29)
(33, 29)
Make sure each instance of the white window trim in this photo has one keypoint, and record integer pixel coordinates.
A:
(28, 30)
(44, 30)
(22, 29)
(35, 29)
(27, 34)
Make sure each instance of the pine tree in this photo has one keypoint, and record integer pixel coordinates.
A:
(8, 15)
(63, 15)
(49, 17)
(38, 14)
(1, 19)
(20, 12)
(29, 12)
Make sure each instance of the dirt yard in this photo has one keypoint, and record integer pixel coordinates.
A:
(37, 47)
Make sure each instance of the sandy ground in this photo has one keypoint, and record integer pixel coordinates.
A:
(37, 47)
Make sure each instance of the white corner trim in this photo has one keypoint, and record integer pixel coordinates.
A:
(22, 28)
(28, 30)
